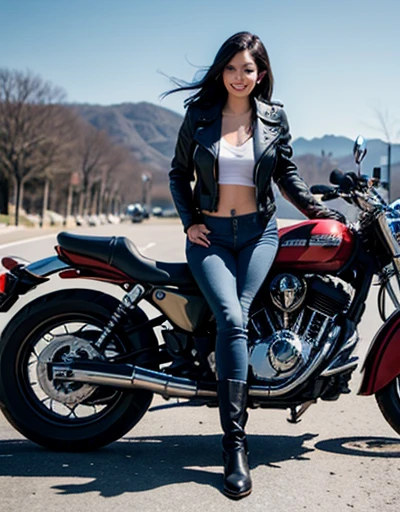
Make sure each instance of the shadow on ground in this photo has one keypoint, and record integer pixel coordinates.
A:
(136, 464)
(144, 463)
(362, 446)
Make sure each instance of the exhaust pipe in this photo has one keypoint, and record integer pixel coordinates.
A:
(129, 376)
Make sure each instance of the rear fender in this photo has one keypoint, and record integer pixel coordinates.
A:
(23, 276)
(382, 363)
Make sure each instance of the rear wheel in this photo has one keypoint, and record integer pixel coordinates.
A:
(63, 326)
(388, 400)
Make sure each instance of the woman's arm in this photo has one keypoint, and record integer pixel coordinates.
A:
(182, 173)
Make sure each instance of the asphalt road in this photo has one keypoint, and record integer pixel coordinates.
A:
(342, 455)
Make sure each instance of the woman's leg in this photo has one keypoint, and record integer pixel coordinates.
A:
(214, 269)
(256, 251)
(254, 261)
(224, 274)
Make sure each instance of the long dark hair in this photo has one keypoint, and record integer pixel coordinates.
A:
(210, 88)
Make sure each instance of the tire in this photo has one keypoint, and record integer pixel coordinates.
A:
(102, 414)
(388, 400)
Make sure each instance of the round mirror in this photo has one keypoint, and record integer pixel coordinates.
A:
(360, 149)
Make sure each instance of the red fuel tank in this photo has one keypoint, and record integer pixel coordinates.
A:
(322, 245)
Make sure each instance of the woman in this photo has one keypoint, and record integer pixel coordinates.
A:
(234, 141)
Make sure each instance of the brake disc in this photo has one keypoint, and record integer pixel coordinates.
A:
(66, 349)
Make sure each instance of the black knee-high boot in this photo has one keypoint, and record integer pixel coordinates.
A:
(232, 396)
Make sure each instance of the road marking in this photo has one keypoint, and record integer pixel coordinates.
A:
(21, 242)
(148, 246)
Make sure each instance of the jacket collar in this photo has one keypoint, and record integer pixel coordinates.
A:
(208, 132)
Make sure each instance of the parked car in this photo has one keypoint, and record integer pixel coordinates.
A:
(135, 212)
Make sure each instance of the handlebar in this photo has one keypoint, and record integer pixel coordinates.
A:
(346, 182)
(353, 188)
(320, 189)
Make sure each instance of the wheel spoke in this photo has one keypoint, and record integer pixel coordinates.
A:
(54, 343)
(72, 411)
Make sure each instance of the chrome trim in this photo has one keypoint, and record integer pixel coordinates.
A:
(141, 378)
(46, 266)
(169, 385)
(264, 391)
(350, 342)
(288, 292)
(333, 370)
(92, 377)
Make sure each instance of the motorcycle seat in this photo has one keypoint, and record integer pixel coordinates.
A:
(122, 253)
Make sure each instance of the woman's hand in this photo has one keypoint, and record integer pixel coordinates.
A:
(329, 213)
(197, 234)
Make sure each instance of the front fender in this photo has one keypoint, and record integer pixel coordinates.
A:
(382, 363)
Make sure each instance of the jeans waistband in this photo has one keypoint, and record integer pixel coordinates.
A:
(238, 220)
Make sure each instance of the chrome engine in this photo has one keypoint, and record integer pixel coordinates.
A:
(292, 327)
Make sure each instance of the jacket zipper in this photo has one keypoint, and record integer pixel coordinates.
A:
(216, 195)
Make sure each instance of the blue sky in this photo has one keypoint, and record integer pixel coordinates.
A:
(335, 62)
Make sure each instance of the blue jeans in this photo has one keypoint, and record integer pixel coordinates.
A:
(229, 273)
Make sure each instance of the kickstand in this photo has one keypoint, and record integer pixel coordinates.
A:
(299, 410)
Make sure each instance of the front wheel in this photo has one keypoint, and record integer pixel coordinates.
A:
(388, 400)
(70, 416)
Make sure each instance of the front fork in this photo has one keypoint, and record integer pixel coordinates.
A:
(386, 286)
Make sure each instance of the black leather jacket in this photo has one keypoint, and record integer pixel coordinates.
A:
(196, 157)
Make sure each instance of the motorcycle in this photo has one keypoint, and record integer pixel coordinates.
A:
(79, 367)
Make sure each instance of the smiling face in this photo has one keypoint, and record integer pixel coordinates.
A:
(240, 75)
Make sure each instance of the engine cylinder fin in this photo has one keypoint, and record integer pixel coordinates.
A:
(327, 299)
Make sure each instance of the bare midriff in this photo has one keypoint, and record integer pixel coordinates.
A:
(235, 200)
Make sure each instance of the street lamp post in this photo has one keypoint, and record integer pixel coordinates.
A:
(146, 189)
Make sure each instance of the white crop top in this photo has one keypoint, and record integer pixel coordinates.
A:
(236, 163)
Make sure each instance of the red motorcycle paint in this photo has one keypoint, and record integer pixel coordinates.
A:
(382, 363)
(90, 268)
(323, 245)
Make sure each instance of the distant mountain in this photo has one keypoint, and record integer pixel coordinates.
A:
(328, 144)
(340, 149)
(150, 132)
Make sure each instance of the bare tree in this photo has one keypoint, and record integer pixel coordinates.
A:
(32, 126)
(4, 191)
(91, 151)
(121, 176)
